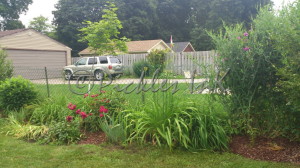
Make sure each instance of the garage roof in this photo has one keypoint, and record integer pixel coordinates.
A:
(10, 32)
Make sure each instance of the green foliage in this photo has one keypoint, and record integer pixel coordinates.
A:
(157, 59)
(168, 122)
(49, 111)
(287, 39)
(209, 15)
(12, 25)
(91, 104)
(139, 67)
(16, 92)
(156, 19)
(11, 10)
(258, 101)
(6, 69)
(25, 131)
(113, 130)
(40, 24)
(63, 132)
(102, 36)
(69, 17)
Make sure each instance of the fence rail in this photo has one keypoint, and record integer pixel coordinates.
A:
(178, 63)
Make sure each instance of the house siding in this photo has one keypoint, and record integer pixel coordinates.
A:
(188, 49)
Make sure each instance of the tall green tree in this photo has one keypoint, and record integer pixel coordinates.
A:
(10, 11)
(69, 17)
(13, 24)
(139, 18)
(102, 36)
(40, 24)
(210, 15)
(185, 20)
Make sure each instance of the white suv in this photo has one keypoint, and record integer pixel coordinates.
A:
(96, 66)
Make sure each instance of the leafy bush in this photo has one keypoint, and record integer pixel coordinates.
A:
(157, 59)
(16, 92)
(174, 124)
(63, 132)
(139, 67)
(6, 69)
(256, 104)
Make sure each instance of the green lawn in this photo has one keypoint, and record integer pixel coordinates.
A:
(20, 154)
(58, 90)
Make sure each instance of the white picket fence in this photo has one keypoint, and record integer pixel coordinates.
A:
(178, 63)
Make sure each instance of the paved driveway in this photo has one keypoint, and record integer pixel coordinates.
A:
(117, 81)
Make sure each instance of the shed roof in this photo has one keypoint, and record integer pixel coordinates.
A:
(179, 46)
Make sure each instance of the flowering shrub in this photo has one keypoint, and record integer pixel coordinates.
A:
(93, 108)
(254, 57)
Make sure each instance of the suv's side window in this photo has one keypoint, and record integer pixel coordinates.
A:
(103, 60)
(92, 61)
(81, 61)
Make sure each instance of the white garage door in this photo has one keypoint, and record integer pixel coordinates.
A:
(31, 63)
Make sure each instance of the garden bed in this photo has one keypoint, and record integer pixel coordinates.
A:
(277, 150)
(95, 138)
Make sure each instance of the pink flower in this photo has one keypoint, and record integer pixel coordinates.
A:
(78, 111)
(72, 106)
(85, 95)
(246, 34)
(83, 115)
(102, 91)
(103, 109)
(101, 115)
(69, 118)
(246, 48)
(239, 38)
(90, 114)
(94, 95)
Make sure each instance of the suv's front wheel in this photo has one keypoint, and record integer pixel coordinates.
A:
(99, 75)
(68, 75)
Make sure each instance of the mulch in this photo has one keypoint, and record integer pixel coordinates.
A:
(277, 150)
(94, 138)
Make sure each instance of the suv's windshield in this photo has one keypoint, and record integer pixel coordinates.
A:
(114, 60)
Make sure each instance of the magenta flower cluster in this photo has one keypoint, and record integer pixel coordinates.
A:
(239, 38)
(83, 115)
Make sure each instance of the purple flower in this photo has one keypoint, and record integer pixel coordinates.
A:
(246, 48)
(239, 38)
(246, 34)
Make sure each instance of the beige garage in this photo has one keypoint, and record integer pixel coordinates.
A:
(29, 49)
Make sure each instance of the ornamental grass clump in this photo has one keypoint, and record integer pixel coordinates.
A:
(175, 124)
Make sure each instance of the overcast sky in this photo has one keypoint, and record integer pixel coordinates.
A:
(45, 8)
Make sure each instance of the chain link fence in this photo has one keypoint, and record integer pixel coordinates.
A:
(50, 82)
